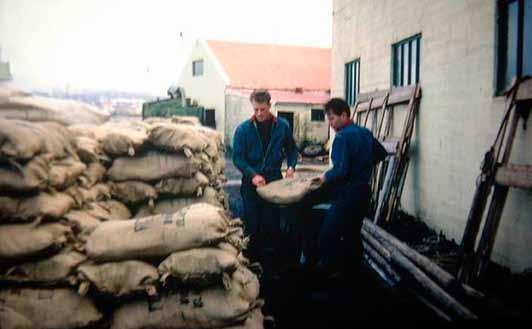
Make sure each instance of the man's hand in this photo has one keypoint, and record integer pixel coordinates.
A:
(258, 180)
(289, 172)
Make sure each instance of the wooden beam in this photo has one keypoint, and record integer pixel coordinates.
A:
(365, 97)
(445, 279)
(515, 176)
(401, 95)
(449, 303)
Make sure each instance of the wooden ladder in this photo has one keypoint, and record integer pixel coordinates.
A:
(388, 177)
(497, 174)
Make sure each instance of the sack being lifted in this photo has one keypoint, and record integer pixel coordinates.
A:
(289, 190)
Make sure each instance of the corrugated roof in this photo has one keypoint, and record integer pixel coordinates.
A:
(274, 66)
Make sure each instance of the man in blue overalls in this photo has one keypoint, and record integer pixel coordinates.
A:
(335, 245)
(260, 145)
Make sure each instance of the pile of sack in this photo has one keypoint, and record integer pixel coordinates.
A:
(156, 166)
(72, 256)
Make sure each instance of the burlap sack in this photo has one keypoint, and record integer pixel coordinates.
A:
(51, 308)
(119, 278)
(186, 119)
(50, 270)
(42, 206)
(30, 177)
(198, 267)
(92, 131)
(17, 241)
(183, 186)
(170, 206)
(10, 319)
(38, 108)
(211, 308)
(255, 320)
(131, 192)
(82, 196)
(288, 190)
(108, 210)
(22, 140)
(89, 149)
(159, 235)
(124, 138)
(82, 222)
(64, 173)
(152, 166)
(95, 173)
(177, 137)
(7, 91)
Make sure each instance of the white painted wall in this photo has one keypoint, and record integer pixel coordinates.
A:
(304, 128)
(459, 116)
(208, 89)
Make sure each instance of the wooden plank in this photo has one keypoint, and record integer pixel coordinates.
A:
(365, 97)
(442, 277)
(524, 93)
(493, 218)
(401, 95)
(515, 176)
(480, 199)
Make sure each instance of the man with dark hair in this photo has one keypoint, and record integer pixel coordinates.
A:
(260, 146)
(336, 245)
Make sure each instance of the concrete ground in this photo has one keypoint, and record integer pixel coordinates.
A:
(297, 301)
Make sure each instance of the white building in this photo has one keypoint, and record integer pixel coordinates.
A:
(220, 76)
(463, 53)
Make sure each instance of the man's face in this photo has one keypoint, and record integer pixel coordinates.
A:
(337, 121)
(261, 110)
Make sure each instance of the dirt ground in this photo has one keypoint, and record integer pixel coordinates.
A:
(512, 289)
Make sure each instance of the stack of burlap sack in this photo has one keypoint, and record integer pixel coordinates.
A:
(156, 166)
(17, 104)
(39, 248)
(72, 257)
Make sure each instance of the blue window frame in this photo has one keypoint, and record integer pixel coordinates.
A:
(405, 61)
(352, 81)
(514, 36)
(197, 67)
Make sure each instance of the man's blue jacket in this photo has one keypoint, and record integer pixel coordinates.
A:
(352, 158)
(248, 154)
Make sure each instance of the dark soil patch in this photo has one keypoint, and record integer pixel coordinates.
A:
(513, 290)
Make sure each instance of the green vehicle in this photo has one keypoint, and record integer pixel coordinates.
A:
(178, 105)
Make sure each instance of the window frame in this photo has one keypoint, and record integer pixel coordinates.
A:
(321, 115)
(398, 80)
(350, 94)
(195, 71)
(501, 44)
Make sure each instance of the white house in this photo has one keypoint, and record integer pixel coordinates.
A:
(220, 76)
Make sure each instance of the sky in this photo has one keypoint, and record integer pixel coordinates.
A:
(141, 45)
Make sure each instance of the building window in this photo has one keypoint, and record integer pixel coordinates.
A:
(514, 57)
(406, 59)
(317, 115)
(352, 81)
(210, 118)
(197, 67)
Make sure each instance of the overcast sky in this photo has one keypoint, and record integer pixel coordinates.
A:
(135, 45)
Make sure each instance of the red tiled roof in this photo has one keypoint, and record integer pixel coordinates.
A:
(274, 66)
(290, 96)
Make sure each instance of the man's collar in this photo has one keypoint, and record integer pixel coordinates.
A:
(349, 122)
(272, 117)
